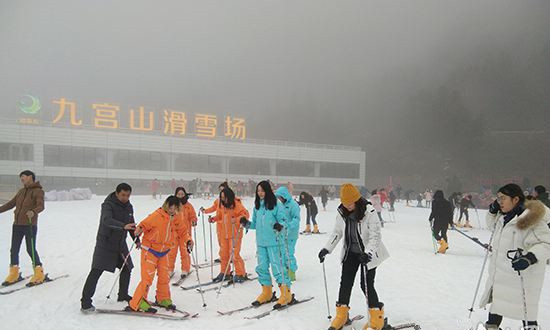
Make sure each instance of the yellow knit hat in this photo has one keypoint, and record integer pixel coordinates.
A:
(349, 194)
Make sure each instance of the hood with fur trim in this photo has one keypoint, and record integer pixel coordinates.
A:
(536, 212)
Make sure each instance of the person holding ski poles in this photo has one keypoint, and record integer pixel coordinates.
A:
(465, 202)
(521, 246)
(188, 220)
(213, 209)
(268, 219)
(363, 247)
(28, 202)
(292, 231)
(440, 219)
(111, 250)
(160, 230)
(230, 211)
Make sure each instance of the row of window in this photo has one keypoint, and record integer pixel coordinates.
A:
(88, 157)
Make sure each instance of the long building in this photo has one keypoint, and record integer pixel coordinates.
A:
(65, 157)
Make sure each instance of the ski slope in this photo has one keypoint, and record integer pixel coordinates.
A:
(434, 291)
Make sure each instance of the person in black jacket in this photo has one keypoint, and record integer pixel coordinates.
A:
(465, 202)
(440, 219)
(324, 197)
(111, 250)
(311, 208)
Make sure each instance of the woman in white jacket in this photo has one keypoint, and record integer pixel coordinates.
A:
(358, 225)
(521, 246)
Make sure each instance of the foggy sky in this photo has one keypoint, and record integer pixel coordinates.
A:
(336, 72)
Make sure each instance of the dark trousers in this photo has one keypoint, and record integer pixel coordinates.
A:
(93, 277)
(349, 270)
(495, 319)
(440, 231)
(311, 218)
(17, 234)
(464, 212)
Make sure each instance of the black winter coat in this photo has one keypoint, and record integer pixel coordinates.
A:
(442, 213)
(111, 236)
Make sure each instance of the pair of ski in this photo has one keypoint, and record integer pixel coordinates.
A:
(206, 264)
(312, 233)
(227, 284)
(29, 285)
(266, 313)
(177, 315)
(182, 278)
(196, 286)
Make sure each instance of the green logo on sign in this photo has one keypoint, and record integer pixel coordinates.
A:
(29, 104)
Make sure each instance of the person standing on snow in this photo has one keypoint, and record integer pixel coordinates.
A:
(428, 197)
(116, 220)
(377, 205)
(324, 197)
(269, 220)
(213, 209)
(230, 211)
(520, 234)
(188, 219)
(159, 230)
(292, 230)
(28, 202)
(311, 208)
(440, 219)
(363, 248)
(465, 202)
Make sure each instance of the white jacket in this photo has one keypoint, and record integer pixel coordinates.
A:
(376, 202)
(530, 232)
(369, 229)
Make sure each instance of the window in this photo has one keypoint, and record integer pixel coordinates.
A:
(339, 170)
(16, 151)
(287, 167)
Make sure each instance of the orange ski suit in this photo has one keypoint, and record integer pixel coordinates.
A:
(188, 218)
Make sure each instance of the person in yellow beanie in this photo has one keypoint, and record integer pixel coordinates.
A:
(357, 224)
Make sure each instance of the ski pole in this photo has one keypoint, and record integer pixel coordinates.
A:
(32, 243)
(364, 269)
(518, 253)
(326, 291)
(204, 237)
(195, 260)
(121, 268)
(433, 237)
(481, 273)
(478, 221)
(211, 250)
(231, 258)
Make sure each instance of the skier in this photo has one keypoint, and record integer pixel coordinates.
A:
(311, 208)
(419, 199)
(268, 219)
(383, 196)
(520, 234)
(377, 205)
(428, 197)
(159, 230)
(362, 247)
(440, 219)
(408, 196)
(391, 200)
(188, 220)
(324, 197)
(155, 185)
(230, 236)
(213, 209)
(28, 202)
(116, 220)
(465, 202)
(292, 230)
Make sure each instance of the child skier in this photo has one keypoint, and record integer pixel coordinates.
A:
(188, 219)
(159, 230)
(363, 247)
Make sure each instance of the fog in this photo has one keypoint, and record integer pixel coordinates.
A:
(429, 89)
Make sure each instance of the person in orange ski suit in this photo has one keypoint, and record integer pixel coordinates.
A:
(188, 220)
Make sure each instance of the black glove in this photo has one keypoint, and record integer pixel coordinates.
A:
(189, 246)
(494, 208)
(522, 262)
(365, 258)
(322, 255)
(244, 222)
(277, 226)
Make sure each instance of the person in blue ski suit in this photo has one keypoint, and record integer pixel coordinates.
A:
(268, 219)
(292, 229)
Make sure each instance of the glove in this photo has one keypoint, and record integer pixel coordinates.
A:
(189, 246)
(244, 222)
(365, 258)
(522, 262)
(494, 208)
(201, 209)
(277, 226)
(322, 255)
(211, 219)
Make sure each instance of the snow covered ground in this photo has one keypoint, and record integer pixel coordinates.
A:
(416, 286)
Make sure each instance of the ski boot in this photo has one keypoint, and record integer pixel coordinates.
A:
(38, 277)
(14, 276)
(286, 297)
(167, 304)
(491, 326)
(221, 277)
(308, 229)
(377, 321)
(341, 318)
(443, 246)
(124, 297)
(315, 229)
(467, 224)
(266, 296)
(87, 309)
(143, 306)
